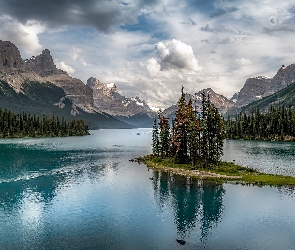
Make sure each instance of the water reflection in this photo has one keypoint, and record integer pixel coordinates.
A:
(287, 191)
(196, 206)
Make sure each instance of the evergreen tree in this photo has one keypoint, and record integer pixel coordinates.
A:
(156, 142)
(180, 127)
(164, 142)
(20, 125)
(192, 138)
(193, 134)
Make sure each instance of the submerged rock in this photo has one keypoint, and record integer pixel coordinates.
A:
(181, 242)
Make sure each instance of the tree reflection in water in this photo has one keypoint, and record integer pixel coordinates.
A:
(196, 205)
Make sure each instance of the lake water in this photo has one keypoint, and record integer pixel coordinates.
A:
(84, 193)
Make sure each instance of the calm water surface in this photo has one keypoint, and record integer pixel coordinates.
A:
(84, 193)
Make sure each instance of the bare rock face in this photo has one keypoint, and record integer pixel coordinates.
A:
(219, 101)
(43, 64)
(9, 55)
(75, 89)
(254, 89)
(108, 99)
(235, 97)
(259, 87)
(13, 70)
(284, 77)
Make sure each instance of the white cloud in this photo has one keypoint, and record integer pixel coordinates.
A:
(176, 55)
(62, 65)
(24, 36)
(242, 39)
(75, 53)
(153, 66)
(243, 61)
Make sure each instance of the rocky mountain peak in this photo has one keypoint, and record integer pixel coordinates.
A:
(9, 55)
(258, 87)
(219, 101)
(207, 91)
(43, 64)
(284, 77)
(98, 87)
(109, 100)
(254, 89)
(235, 97)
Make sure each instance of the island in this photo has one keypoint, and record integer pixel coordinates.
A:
(194, 145)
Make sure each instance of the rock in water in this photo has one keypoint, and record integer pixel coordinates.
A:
(181, 242)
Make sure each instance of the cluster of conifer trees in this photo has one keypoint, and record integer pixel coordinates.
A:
(26, 125)
(277, 124)
(194, 137)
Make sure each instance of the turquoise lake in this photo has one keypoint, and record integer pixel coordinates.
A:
(84, 193)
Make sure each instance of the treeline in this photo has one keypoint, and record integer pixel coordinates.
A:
(193, 138)
(276, 124)
(25, 125)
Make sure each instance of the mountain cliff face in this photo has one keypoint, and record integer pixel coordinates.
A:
(41, 68)
(109, 100)
(254, 89)
(284, 77)
(13, 69)
(284, 97)
(259, 87)
(75, 89)
(38, 87)
(219, 101)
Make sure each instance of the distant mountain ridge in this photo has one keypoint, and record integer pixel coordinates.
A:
(284, 97)
(37, 86)
(258, 87)
(220, 102)
(35, 83)
(109, 100)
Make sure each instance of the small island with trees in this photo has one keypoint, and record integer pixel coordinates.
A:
(26, 125)
(193, 146)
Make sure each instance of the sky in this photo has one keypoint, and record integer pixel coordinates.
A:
(150, 48)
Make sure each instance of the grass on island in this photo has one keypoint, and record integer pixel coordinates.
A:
(222, 172)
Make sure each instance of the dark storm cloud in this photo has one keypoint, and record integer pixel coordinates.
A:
(101, 14)
(223, 11)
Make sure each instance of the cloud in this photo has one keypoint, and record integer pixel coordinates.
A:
(243, 61)
(278, 28)
(223, 11)
(76, 54)
(101, 14)
(152, 66)
(64, 66)
(115, 41)
(218, 29)
(190, 22)
(24, 36)
(175, 55)
(227, 40)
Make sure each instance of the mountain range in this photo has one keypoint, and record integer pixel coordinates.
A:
(37, 86)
